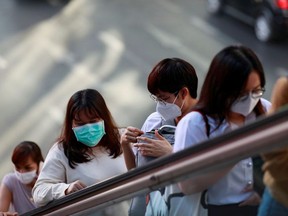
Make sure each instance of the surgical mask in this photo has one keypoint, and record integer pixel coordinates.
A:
(245, 105)
(169, 110)
(26, 177)
(90, 134)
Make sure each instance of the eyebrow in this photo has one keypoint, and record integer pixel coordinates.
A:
(257, 87)
(24, 165)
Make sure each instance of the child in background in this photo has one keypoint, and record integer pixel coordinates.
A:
(16, 188)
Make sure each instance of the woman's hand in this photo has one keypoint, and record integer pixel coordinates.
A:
(154, 147)
(129, 136)
(75, 186)
(253, 200)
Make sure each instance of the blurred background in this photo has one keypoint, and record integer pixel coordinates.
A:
(50, 49)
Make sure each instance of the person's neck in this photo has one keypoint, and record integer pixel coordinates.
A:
(31, 185)
(187, 107)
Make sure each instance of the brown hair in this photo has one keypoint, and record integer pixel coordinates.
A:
(226, 78)
(93, 104)
(27, 149)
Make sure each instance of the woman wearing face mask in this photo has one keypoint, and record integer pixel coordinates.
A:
(16, 188)
(231, 97)
(173, 85)
(88, 150)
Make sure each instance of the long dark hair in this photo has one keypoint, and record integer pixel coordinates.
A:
(226, 79)
(93, 104)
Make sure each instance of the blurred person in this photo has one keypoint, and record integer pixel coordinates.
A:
(87, 151)
(16, 187)
(231, 97)
(275, 197)
(172, 83)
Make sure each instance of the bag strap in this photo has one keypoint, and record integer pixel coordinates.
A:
(204, 193)
(205, 118)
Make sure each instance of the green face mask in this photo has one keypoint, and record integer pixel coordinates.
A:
(90, 134)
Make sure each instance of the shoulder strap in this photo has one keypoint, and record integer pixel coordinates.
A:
(206, 123)
(203, 198)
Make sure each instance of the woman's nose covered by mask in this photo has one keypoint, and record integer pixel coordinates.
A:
(244, 105)
(90, 134)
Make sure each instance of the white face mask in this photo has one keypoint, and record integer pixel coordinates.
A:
(169, 110)
(244, 105)
(26, 177)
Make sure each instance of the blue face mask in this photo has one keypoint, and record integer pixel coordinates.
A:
(90, 134)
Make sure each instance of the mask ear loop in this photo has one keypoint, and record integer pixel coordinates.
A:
(176, 99)
(182, 104)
